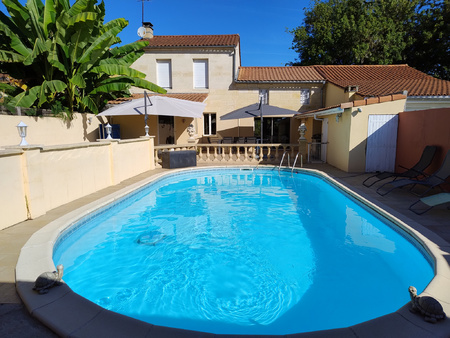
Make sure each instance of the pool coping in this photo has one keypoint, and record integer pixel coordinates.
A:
(69, 314)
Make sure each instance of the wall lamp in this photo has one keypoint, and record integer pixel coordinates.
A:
(338, 116)
(355, 112)
(108, 128)
(22, 129)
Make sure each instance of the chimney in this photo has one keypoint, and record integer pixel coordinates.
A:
(148, 30)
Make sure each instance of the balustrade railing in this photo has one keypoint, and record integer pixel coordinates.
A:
(233, 153)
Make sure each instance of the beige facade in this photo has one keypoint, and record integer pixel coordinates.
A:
(225, 93)
(347, 134)
(335, 95)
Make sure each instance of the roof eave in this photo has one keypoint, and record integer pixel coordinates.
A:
(196, 46)
(280, 81)
(434, 97)
(329, 111)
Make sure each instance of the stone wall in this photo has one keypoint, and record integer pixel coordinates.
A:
(36, 179)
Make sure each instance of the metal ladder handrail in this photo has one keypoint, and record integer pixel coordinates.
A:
(295, 161)
(282, 159)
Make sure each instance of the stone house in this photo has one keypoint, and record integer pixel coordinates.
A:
(334, 102)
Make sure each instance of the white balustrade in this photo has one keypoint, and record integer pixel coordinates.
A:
(233, 153)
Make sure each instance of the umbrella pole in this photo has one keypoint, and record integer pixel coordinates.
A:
(146, 116)
(261, 113)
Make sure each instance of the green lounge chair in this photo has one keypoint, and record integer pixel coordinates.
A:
(413, 172)
(431, 201)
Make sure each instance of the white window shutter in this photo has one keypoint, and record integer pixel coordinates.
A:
(200, 73)
(164, 73)
(304, 96)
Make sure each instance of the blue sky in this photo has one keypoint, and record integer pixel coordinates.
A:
(261, 24)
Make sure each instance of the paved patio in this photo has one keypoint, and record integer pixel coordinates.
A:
(16, 322)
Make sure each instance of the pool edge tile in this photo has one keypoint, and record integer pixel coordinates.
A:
(168, 332)
(111, 324)
(333, 333)
(33, 300)
(67, 314)
(394, 325)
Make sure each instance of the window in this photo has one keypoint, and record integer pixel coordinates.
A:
(200, 73)
(209, 124)
(275, 129)
(264, 93)
(304, 96)
(164, 73)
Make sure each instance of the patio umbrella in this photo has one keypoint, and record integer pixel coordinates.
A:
(258, 110)
(157, 105)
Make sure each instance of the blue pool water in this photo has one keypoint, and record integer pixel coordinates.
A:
(242, 252)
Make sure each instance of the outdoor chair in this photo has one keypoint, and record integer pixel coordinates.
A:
(431, 201)
(251, 140)
(434, 180)
(413, 172)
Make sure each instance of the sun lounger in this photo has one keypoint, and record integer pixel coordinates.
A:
(431, 201)
(436, 179)
(413, 172)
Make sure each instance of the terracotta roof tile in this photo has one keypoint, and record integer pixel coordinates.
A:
(357, 103)
(379, 80)
(279, 74)
(160, 41)
(182, 96)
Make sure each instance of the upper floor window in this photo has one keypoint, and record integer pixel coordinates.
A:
(164, 73)
(264, 95)
(201, 74)
(305, 96)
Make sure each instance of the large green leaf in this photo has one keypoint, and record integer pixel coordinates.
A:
(53, 58)
(128, 48)
(38, 48)
(78, 81)
(129, 59)
(34, 7)
(110, 87)
(112, 69)
(26, 99)
(144, 84)
(63, 5)
(49, 15)
(16, 42)
(79, 39)
(79, 6)
(10, 56)
(19, 14)
(6, 88)
(49, 89)
(100, 43)
(114, 24)
(88, 102)
(81, 17)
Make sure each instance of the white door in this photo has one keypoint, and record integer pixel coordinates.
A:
(324, 141)
(381, 143)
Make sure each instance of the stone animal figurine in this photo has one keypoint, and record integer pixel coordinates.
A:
(48, 280)
(429, 307)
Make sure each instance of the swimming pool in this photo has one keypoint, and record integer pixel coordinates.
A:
(286, 286)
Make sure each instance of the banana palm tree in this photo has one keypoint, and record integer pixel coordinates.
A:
(61, 55)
